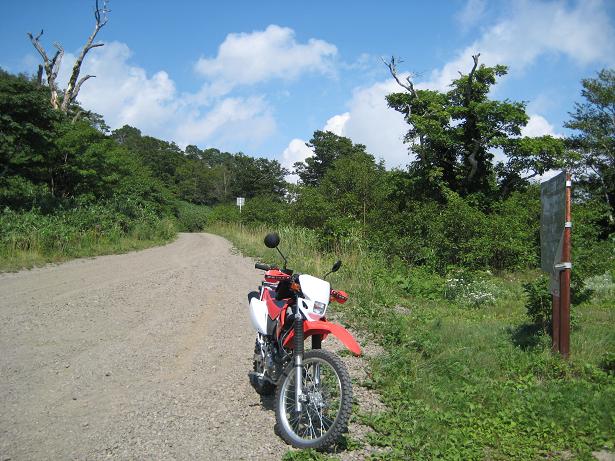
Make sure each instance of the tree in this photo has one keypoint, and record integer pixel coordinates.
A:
(594, 121)
(52, 66)
(256, 176)
(328, 147)
(354, 184)
(27, 130)
(454, 135)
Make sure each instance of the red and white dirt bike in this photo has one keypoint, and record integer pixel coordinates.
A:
(313, 393)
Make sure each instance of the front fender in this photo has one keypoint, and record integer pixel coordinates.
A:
(320, 327)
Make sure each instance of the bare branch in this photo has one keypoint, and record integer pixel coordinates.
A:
(51, 67)
(39, 75)
(77, 116)
(100, 14)
(392, 66)
(38, 46)
(78, 86)
(468, 98)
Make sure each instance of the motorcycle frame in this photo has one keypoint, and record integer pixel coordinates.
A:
(302, 328)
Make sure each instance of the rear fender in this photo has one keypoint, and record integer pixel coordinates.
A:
(320, 327)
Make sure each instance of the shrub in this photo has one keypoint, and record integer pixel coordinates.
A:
(191, 217)
(224, 213)
(538, 304)
(608, 363)
(265, 210)
(602, 287)
(469, 288)
(422, 283)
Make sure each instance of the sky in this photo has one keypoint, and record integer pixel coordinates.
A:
(261, 77)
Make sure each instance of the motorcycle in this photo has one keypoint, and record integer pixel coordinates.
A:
(313, 392)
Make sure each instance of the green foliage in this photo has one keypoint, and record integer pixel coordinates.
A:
(328, 147)
(608, 362)
(538, 304)
(594, 139)
(420, 282)
(453, 136)
(457, 233)
(224, 213)
(470, 288)
(455, 382)
(265, 209)
(28, 238)
(191, 217)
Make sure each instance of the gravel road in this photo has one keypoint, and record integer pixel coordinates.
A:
(136, 356)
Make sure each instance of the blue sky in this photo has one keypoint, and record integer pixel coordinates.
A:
(260, 77)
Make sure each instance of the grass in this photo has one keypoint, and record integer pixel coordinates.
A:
(15, 259)
(31, 239)
(464, 380)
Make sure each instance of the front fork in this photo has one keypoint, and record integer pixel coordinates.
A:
(299, 348)
(298, 360)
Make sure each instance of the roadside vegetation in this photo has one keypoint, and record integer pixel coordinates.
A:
(70, 187)
(440, 259)
(467, 373)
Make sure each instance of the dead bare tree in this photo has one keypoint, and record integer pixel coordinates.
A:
(392, 66)
(52, 66)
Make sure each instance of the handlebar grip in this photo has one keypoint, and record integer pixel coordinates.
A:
(262, 266)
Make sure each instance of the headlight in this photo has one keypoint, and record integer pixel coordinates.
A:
(319, 308)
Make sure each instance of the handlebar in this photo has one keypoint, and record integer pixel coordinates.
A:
(262, 266)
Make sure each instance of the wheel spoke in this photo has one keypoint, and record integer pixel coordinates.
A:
(322, 389)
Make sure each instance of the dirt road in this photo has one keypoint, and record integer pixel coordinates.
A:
(136, 356)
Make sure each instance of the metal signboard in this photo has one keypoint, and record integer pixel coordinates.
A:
(240, 202)
(552, 221)
(555, 250)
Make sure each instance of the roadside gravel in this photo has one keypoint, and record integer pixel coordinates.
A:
(136, 356)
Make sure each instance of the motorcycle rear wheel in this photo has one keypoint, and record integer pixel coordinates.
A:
(326, 410)
(261, 386)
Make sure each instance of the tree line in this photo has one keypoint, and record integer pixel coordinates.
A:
(453, 205)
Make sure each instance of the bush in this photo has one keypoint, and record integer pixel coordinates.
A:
(608, 363)
(422, 283)
(265, 210)
(538, 304)
(602, 287)
(224, 213)
(191, 217)
(458, 233)
(469, 288)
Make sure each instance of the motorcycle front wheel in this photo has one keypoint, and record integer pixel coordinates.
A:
(326, 408)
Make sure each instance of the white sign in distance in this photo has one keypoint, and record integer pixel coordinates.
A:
(240, 201)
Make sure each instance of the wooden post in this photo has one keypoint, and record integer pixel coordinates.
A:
(555, 321)
(564, 277)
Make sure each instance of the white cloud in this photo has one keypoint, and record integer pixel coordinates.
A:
(125, 94)
(472, 13)
(380, 128)
(539, 126)
(248, 58)
(248, 120)
(296, 151)
(337, 124)
(583, 33)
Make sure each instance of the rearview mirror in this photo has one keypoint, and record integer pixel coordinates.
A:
(272, 240)
(336, 266)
